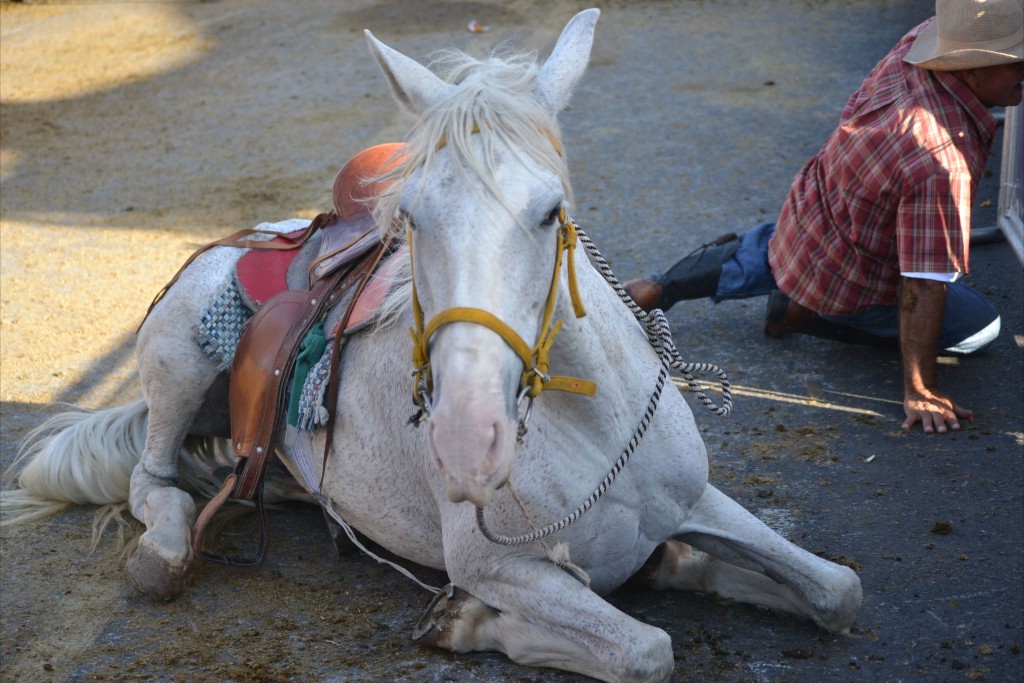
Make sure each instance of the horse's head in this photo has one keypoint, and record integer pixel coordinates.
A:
(482, 193)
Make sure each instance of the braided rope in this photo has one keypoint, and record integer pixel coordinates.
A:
(631, 447)
(660, 335)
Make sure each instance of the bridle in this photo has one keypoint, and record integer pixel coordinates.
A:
(535, 376)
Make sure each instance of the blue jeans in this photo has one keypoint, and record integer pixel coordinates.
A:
(969, 324)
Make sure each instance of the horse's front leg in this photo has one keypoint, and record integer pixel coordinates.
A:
(737, 556)
(539, 615)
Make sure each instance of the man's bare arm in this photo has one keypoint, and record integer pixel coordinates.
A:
(922, 304)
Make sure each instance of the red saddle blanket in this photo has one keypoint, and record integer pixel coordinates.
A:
(262, 274)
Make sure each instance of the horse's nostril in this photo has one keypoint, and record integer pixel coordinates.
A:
(468, 446)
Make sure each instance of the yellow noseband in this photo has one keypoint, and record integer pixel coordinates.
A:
(535, 377)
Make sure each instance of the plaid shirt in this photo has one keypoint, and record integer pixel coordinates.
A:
(890, 191)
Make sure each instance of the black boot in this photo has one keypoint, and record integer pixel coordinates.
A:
(694, 276)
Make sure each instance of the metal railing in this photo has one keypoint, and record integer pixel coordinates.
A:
(1011, 181)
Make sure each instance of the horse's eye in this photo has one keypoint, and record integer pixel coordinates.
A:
(553, 214)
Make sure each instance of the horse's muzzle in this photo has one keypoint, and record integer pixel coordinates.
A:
(473, 451)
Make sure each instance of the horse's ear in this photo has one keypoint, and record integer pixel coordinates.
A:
(414, 86)
(567, 62)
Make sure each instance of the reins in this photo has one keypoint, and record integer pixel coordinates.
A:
(240, 240)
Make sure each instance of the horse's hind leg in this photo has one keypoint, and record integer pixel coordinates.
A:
(744, 560)
(162, 558)
(175, 375)
(677, 566)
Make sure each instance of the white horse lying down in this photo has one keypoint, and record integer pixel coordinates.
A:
(482, 195)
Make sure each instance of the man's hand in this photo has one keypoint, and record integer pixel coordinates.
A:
(922, 305)
(934, 411)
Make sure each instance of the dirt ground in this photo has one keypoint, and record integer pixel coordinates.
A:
(133, 132)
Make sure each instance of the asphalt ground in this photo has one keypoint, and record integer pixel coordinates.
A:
(692, 120)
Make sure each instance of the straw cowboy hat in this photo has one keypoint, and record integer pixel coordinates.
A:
(970, 34)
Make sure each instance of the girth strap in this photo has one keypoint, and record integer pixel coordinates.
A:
(369, 267)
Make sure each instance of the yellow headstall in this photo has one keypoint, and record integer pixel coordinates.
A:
(535, 377)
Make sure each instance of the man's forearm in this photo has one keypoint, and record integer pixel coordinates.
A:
(922, 304)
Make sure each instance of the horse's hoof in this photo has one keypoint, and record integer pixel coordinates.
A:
(453, 621)
(847, 596)
(154, 575)
(436, 617)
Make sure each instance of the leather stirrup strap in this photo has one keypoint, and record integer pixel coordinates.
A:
(238, 240)
(207, 514)
(246, 482)
(317, 301)
(371, 262)
(211, 507)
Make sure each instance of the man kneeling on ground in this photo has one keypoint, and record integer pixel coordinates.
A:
(875, 233)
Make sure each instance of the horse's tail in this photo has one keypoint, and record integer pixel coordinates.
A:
(75, 457)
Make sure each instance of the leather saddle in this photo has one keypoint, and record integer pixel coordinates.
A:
(350, 252)
(293, 281)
